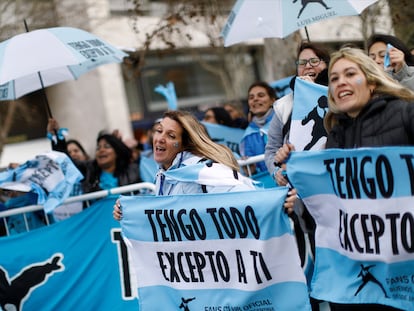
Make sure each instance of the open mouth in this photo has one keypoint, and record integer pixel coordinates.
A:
(101, 157)
(311, 74)
(344, 94)
(159, 150)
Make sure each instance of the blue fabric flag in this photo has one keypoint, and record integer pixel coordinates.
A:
(210, 174)
(282, 86)
(229, 251)
(225, 135)
(310, 104)
(387, 61)
(168, 92)
(231, 137)
(80, 263)
(147, 166)
(51, 176)
(362, 201)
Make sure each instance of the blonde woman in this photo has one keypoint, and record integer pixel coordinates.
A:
(182, 148)
(367, 108)
(362, 96)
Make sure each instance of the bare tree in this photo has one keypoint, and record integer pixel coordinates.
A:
(402, 14)
(175, 28)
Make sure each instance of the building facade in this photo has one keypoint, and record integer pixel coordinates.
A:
(114, 96)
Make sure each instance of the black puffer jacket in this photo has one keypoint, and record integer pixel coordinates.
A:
(384, 121)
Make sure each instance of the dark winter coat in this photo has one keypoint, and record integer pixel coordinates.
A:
(384, 121)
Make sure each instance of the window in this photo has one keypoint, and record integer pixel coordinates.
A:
(29, 119)
(194, 86)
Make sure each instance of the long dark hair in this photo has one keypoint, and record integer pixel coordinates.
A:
(222, 116)
(395, 42)
(123, 153)
(79, 145)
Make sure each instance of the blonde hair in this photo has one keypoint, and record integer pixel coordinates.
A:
(384, 85)
(196, 140)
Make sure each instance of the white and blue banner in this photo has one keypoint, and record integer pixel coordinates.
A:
(226, 251)
(225, 135)
(80, 263)
(50, 175)
(310, 105)
(362, 201)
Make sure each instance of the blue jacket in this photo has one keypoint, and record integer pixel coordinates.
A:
(254, 141)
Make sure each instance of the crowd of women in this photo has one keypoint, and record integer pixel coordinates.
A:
(371, 104)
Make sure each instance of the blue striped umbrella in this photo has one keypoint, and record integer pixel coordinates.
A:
(255, 19)
(34, 60)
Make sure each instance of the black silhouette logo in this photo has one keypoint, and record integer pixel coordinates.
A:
(306, 2)
(367, 276)
(184, 303)
(317, 114)
(13, 292)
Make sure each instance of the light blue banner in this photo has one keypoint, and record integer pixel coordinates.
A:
(310, 105)
(228, 251)
(362, 201)
(80, 263)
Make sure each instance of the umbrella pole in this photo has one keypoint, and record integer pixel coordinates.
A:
(307, 34)
(49, 112)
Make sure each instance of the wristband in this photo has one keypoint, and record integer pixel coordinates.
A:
(50, 136)
(60, 134)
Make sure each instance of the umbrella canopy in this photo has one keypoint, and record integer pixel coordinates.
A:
(255, 19)
(33, 60)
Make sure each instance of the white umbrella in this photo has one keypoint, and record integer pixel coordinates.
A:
(255, 19)
(33, 60)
